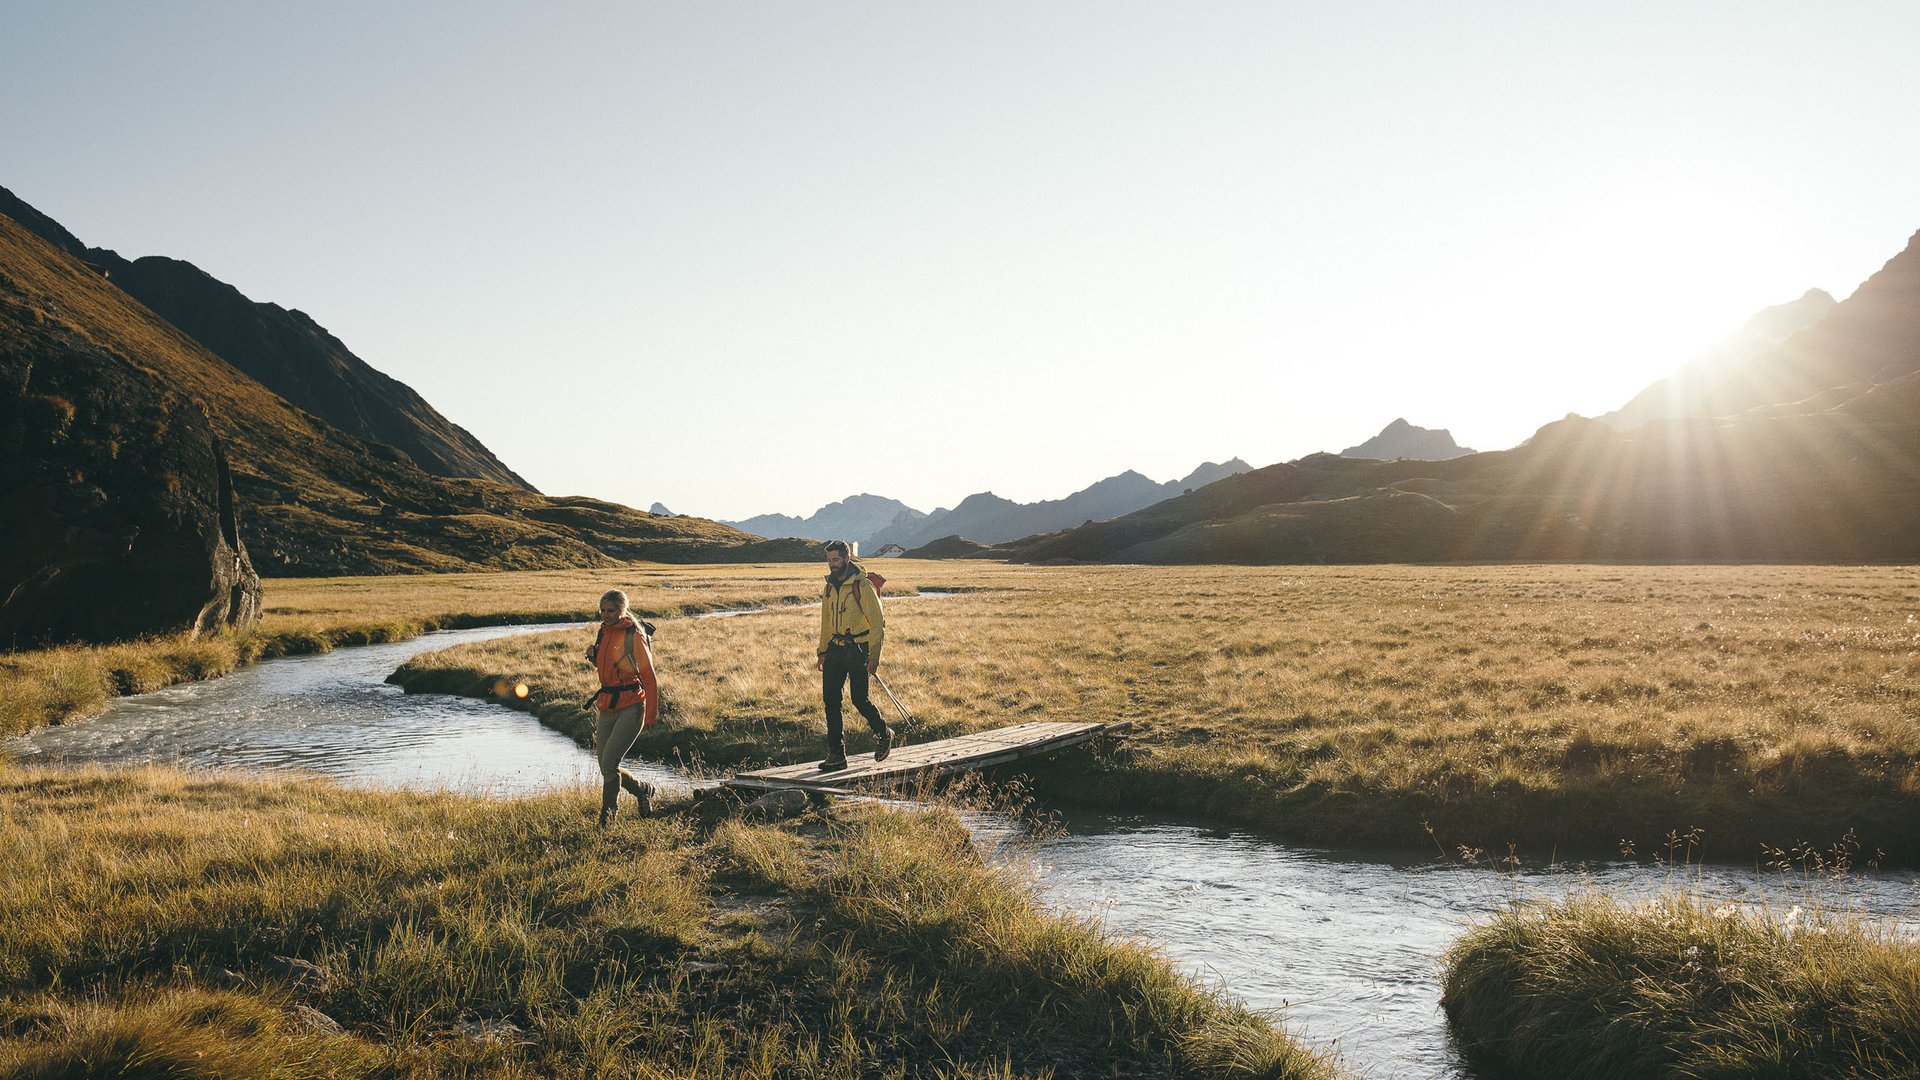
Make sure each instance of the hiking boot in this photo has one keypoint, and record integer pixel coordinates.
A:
(641, 791)
(883, 744)
(833, 764)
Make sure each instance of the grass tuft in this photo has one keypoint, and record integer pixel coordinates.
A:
(1680, 986)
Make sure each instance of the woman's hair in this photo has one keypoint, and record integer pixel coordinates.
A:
(617, 597)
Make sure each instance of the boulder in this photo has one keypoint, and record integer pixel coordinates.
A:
(774, 805)
(121, 519)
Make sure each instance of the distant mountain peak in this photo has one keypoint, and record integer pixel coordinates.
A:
(1402, 440)
(856, 517)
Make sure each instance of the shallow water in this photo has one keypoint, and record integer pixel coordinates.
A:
(1343, 947)
(332, 714)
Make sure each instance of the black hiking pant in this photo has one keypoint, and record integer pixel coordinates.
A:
(846, 665)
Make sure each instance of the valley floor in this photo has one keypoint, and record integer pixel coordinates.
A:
(1548, 709)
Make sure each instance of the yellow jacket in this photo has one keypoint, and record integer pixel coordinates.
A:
(852, 607)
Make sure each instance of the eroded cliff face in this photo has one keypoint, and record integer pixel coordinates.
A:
(120, 513)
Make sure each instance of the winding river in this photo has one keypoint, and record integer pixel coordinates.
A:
(1344, 948)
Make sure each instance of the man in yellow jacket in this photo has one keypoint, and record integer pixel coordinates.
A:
(852, 629)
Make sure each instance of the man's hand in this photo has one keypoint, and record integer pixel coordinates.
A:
(819, 663)
(873, 664)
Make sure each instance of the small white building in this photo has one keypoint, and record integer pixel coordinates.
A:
(891, 551)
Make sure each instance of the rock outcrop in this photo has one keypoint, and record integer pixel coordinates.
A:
(121, 517)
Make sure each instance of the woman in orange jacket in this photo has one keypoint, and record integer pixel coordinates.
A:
(628, 702)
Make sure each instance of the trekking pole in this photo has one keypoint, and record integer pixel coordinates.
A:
(905, 720)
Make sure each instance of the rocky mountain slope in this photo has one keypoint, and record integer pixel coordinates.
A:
(1810, 453)
(309, 498)
(286, 351)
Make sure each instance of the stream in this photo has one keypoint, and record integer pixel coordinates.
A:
(1341, 947)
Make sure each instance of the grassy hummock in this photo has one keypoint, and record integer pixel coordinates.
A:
(167, 924)
(1591, 987)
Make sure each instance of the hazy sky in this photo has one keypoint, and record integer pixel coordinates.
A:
(744, 258)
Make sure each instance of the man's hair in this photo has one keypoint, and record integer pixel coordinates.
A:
(837, 545)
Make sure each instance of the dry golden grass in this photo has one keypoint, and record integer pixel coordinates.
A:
(323, 604)
(1574, 705)
(166, 924)
(1591, 987)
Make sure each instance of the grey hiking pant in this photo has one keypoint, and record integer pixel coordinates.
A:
(613, 735)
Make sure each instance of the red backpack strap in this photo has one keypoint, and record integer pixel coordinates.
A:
(862, 604)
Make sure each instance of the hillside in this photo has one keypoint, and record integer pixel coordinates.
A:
(1732, 376)
(286, 351)
(1822, 466)
(311, 499)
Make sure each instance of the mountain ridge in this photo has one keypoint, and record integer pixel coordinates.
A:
(286, 350)
(983, 512)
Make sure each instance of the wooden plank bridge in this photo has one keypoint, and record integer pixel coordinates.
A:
(915, 761)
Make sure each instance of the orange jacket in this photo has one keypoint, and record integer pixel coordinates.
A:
(612, 649)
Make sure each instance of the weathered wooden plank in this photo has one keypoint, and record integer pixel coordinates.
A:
(979, 749)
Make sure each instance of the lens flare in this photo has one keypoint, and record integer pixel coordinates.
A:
(499, 688)
(520, 690)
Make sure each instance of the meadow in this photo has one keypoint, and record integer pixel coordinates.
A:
(163, 924)
(1562, 709)
(1541, 711)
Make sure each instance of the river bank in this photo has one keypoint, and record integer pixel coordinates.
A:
(242, 927)
(304, 616)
